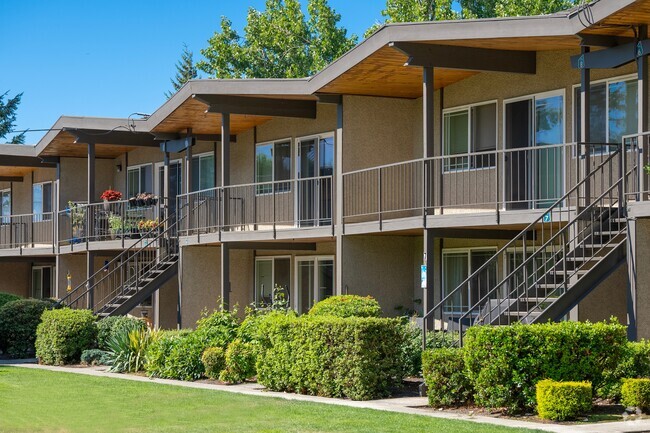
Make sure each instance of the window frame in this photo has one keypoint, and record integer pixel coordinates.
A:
(575, 106)
(197, 175)
(6, 219)
(296, 167)
(316, 259)
(468, 252)
(139, 168)
(261, 189)
(42, 215)
(256, 297)
(470, 152)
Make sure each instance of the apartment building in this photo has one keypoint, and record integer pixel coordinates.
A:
(448, 169)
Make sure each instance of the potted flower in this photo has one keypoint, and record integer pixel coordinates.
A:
(110, 195)
(77, 214)
(147, 226)
(116, 225)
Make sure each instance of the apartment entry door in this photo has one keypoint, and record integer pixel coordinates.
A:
(42, 282)
(314, 191)
(315, 281)
(175, 183)
(534, 159)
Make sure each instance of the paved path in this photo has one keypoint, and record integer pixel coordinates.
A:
(408, 405)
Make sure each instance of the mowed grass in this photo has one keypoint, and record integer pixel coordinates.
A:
(45, 401)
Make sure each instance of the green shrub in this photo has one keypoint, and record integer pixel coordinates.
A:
(95, 357)
(214, 361)
(505, 362)
(7, 297)
(18, 322)
(559, 401)
(127, 350)
(218, 328)
(63, 334)
(412, 346)
(358, 358)
(159, 350)
(347, 306)
(636, 393)
(184, 359)
(445, 376)
(635, 364)
(249, 330)
(240, 362)
(113, 325)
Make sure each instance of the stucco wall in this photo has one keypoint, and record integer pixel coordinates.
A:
(74, 179)
(607, 300)
(15, 277)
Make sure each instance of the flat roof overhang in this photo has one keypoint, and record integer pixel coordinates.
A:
(17, 161)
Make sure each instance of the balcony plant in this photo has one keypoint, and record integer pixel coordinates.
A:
(147, 226)
(116, 225)
(77, 213)
(143, 199)
(110, 195)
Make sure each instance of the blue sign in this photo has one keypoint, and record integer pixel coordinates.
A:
(423, 276)
(546, 218)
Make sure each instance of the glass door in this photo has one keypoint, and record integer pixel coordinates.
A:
(42, 282)
(315, 281)
(549, 131)
(175, 183)
(315, 162)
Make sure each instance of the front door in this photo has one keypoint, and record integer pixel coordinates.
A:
(315, 168)
(42, 282)
(315, 281)
(175, 183)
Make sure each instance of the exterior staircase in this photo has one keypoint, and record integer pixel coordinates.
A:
(131, 277)
(551, 265)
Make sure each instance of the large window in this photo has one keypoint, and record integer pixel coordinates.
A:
(203, 172)
(613, 111)
(470, 130)
(457, 265)
(272, 164)
(42, 201)
(5, 212)
(272, 279)
(139, 180)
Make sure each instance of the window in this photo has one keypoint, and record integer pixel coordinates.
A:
(272, 274)
(470, 130)
(139, 180)
(613, 111)
(42, 282)
(457, 265)
(42, 201)
(203, 172)
(5, 196)
(273, 164)
(314, 281)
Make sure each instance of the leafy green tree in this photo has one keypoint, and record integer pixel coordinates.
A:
(510, 8)
(279, 42)
(185, 71)
(8, 110)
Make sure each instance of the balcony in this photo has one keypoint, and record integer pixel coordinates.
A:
(29, 234)
(297, 208)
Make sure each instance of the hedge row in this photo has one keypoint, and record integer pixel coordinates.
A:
(19, 320)
(64, 334)
(358, 358)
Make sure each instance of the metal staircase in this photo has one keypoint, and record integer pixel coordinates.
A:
(551, 265)
(131, 277)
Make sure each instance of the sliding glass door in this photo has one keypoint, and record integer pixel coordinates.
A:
(315, 281)
(314, 196)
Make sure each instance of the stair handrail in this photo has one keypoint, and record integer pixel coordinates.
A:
(549, 210)
(119, 257)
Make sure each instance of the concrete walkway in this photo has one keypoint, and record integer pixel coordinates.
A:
(408, 405)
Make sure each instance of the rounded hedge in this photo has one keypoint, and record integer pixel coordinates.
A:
(559, 401)
(445, 376)
(63, 334)
(214, 361)
(636, 393)
(19, 320)
(8, 297)
(240, 362)
(347, 306)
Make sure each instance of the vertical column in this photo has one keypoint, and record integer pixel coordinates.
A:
(642, 74)
(57, 205)
(632, 280)
(427, 151)
(225, 182)
(91, 173)
(338, 222)
(188, 162)
(167, 204)
(584, 163)
(90, 271)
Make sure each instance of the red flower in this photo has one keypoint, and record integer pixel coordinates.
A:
(111, 195)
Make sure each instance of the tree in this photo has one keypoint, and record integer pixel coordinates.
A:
(8, 117)
(279, 42)
(185, 71)
(511, 8)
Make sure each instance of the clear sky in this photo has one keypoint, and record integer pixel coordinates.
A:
(111, 58)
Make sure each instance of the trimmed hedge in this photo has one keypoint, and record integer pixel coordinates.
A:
(63, 334)
(358, 358)
(445, 376)
(505, 362)
(8, 297)
(635, 364)
(19, 320)
(636, 393)
(159, 351)
(109, 327)
(347, 306)
(559, 401)
(240, 362)
(214, 361)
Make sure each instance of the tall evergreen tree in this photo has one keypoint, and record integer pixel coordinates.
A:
(185, 71)
(279, 42)
(8, 117)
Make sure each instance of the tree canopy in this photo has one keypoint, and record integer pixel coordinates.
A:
(185, 71)
(279, 42)
(8, 110)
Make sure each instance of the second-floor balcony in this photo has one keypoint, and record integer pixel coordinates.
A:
(27, 234)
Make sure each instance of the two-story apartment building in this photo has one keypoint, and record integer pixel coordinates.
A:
(446, 168)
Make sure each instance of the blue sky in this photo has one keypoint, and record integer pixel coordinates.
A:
(113, 58)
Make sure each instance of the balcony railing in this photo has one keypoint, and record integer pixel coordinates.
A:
(266, 206)
(510, 179)
(27, 231)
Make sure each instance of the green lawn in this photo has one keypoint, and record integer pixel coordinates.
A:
(44, 401)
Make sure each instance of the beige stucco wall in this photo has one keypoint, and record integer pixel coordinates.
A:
(15, 277)
(642, 242)
(74, 179)
(607, 300)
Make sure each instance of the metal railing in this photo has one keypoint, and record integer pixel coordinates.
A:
(266, 206)
(34, 230)
(544, 260)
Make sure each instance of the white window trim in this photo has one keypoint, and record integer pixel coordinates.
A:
(468, 251)
(199, 156)
(273, 180)
(297, 298)
(296, 151)
(3, 191)
(52, 279)
(43, 212)
(138, 167)
(468, 108)
(272, 259)
(574, 106)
